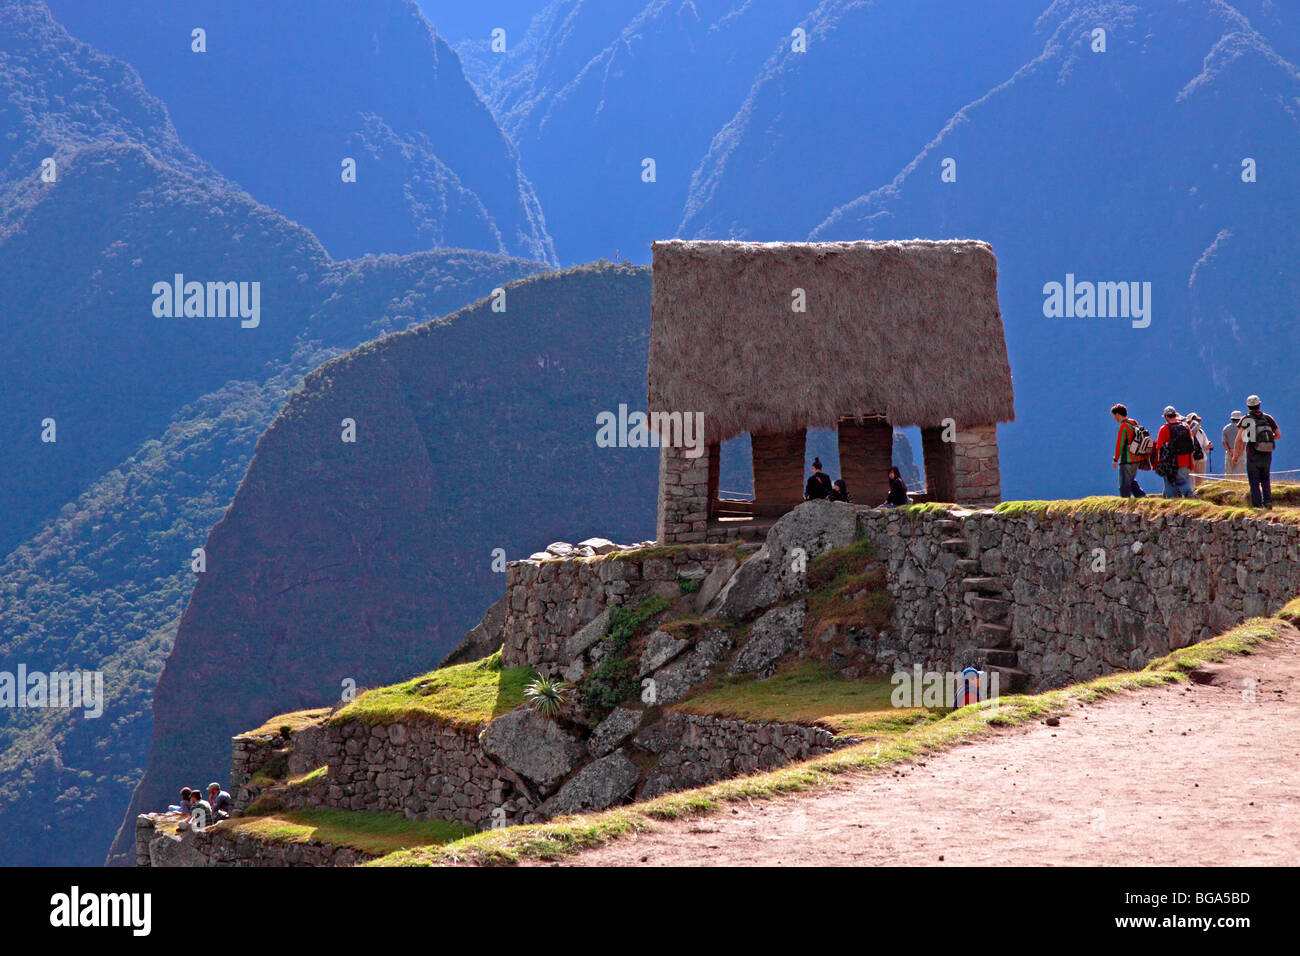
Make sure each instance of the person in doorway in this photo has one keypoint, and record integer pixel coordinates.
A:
(819, 485)
(897, 491)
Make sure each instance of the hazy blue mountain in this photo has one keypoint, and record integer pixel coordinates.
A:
(286, 91)
(58, 94)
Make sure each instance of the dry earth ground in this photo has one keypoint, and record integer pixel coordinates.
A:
(1206, 773)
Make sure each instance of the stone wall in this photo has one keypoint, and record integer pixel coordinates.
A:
(693, 750)
(1072, 596)
(550, 604)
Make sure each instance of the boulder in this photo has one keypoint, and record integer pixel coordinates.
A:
(613, 730)
(660, 648)
(532, 746)
(560, 549)
(713, 583)
(675, 680)
(598, 785)
(772, 636)
(599, 545)
(773, 574)
(586, 635)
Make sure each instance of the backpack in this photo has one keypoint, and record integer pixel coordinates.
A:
(1180, 438)
(968, 691)
(1264, 436)
(1140, 446)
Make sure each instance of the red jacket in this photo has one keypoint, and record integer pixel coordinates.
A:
(1184, 461)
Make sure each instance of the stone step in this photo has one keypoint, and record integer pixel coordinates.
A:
(991, 610)
(948, 524)
(970, 566)
(956, 545)
(1010, 679)
(994, 635)
(983, 585)
(997, 656)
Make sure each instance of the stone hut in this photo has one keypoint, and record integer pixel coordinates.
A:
(776, 338)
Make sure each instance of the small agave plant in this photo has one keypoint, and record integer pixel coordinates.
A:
(547, 697)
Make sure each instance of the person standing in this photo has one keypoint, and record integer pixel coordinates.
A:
(1176, 463)
(1124, 447)
(1232, 466)
(1257, 433)
(819, 485)
(1203, 445)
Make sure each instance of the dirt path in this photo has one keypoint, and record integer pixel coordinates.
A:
(1194, 775)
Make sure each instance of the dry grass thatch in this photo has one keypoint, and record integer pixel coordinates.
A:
(911, 330)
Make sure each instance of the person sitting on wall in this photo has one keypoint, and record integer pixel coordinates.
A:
(220, 801)
(897, 491)
(819, 486)
(200, 810)
(184, 805)
(840, 491)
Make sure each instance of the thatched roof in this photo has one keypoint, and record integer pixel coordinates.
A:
(911, 330)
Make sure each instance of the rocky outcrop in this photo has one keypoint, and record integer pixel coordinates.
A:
(776, 633)
(532, 746)
(598, 785)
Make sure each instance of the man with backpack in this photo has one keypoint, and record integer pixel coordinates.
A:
(1175, 445)
(1257, 433)
(1132, 444)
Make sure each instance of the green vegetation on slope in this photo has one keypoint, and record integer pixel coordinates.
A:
(613, 680)
(1205, 509)
(463, 695)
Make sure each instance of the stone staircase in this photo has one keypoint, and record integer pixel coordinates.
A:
(991, 605)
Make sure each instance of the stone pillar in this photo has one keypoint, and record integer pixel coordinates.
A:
(940, 475)
(866, 452)
(978, 479)
(715, 475)
(683, 495)
(778, 471)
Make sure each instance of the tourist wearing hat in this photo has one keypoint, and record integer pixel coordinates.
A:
(1233, 466)
(1177, 470)
(220, 801)
(819, 485)
(1256, 434)
(1203, 464)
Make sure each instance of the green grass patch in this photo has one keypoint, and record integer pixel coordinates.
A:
(810, 693)
(307, 779)
(373, 833)
(567, 835)
(463, 695)
(286, 724)
(928, 509)
(1286, 494)
(1291, 612)
(1150, 505)
(847, 590)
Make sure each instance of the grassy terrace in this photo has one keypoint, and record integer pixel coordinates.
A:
(1216, 500)
(810, 693)
(568, 835)
(463, 695)
(296, 720)
(373, 833)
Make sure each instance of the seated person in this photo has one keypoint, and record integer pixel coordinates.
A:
(220, 801)
(200, 810)
(897, 491)
(819, 486)
(840, 491)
